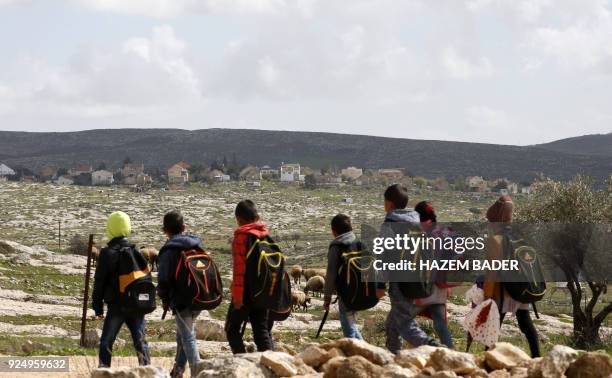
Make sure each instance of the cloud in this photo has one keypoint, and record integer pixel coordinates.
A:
(583, 43)
(140, 74)
(459, 67)
(175, 8)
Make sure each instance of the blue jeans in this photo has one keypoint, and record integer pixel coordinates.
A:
(112, 324)
(186, 345)
(438, 315)
(348, 321)
(400, 323)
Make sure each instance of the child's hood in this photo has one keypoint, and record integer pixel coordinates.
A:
(258, 229)
(403, 215)
(344, 239)
(183, 242)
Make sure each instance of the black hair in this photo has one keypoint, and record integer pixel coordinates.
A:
(246, 211)
(397, 194)
(341, 224)
(173, 222)
(426, 212)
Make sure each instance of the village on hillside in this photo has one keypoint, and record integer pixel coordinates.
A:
(141, 178)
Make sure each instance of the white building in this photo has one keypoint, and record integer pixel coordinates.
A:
(268, 173)
(352, 173)
(290, 172)
(6, 171)
(102, 177)
(222, 178)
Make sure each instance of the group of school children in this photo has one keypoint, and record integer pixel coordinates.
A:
(400, 323)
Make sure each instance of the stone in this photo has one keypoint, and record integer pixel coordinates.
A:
(30, 347)
(416, 357)
(210, 330)
(280, 363)
(500, 374)
(505, 356)
(480, 373)
(355, 366)
(334, 352)
(314, 356)
(554, 364)
(130, 372)
(91, 338)
(590, 365)
(458, 362)
(396, 371)
(231, 367)
(519, 372)
(354, 347)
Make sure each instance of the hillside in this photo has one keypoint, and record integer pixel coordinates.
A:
(161, 147)
(596, 144)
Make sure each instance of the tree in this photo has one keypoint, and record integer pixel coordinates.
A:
(574, 213)
(101, 166)
(127, 160)
(310, 181)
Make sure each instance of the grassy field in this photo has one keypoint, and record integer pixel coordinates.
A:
(298, 218)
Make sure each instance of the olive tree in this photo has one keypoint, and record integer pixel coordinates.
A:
(576, 212)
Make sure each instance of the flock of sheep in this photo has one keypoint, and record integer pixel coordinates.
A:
(315, 282)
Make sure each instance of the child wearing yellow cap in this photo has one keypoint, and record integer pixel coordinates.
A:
(106, 290)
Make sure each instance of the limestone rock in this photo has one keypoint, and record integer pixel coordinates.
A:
(280, 363)
(591, 365)
(355, 366)
(231, 367)
(211, 330)
(396, 371)
(416, 357)
(554, 364)
(458, 362)
(30, 347)
(130, 372)
(354, 347)
(314, 356)
(505, 356)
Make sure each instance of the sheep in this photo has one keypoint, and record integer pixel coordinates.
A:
(150, 254)
(315, 284)
(299, 299)
(296, 273)
(95, 255)
(309, 273)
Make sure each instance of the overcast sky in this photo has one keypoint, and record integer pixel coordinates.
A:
(499, 71)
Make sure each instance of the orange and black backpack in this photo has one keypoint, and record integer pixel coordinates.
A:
(136, 288)
(197, 281)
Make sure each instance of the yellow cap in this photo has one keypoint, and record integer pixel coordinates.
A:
(118, 225)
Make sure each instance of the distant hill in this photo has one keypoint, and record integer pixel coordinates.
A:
(162, 147)
(596, 144)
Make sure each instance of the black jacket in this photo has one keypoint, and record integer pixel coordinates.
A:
(168, 259)
(106, 278)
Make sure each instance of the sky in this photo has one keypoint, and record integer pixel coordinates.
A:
(494, 71)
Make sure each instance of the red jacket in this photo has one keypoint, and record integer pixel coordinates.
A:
(239, 251)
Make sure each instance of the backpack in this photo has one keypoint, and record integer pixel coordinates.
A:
(136, 289)
(527, 284)
(414, 284)
(418, 283)
(198, 284)
(268, 285)
(356, 280)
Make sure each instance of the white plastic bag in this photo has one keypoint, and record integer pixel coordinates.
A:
(483, 322)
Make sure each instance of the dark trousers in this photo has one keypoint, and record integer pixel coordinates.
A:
(259, 324)
(112, 324)
(526, 326)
